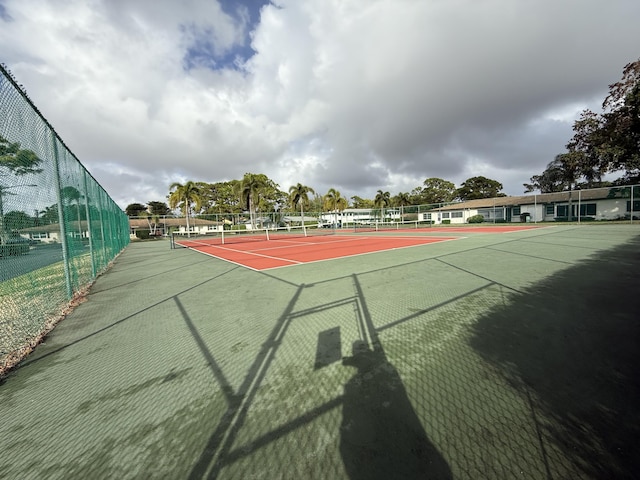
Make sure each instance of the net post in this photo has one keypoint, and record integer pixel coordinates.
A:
(222, 236)
(266, 232)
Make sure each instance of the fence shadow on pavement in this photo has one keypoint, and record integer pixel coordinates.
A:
(380, 434)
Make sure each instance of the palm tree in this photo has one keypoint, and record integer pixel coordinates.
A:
(183, 196)
(334, 202)
(250, 189)
(299, 195)
(382, 200)
(73, 195)
(401, 200)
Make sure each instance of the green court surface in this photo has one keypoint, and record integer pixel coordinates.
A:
(496, 356)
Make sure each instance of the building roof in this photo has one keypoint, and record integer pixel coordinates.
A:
(171, 222)
(543, 198)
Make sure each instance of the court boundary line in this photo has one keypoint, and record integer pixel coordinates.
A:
(271, 257)
(363, 253)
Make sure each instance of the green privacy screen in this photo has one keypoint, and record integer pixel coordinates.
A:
(58, 227)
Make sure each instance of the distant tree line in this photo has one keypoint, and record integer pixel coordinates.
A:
(257, 193)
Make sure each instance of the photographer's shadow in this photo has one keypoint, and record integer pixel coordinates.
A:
(381, 435)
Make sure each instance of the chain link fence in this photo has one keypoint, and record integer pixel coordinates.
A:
(59, 229)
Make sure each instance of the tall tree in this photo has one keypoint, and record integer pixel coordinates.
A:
(402, 199)
(158, 208)
(222, 197)
(135, 209)
(382, 200)
(71, 195)
(184, 197)
(15, 220)
(416, 196)
(359, 202)
(317, 203)
(607, 142)
(562, 174)
(50, 215)
(335, 202)
(622, 123)
(14, 161)
(250, 188)
(154, 212)
(437, 190)
(17, 161)
(299, 195)
(479, 187)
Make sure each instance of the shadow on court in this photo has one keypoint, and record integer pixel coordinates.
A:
(570, 346)
(381, 436)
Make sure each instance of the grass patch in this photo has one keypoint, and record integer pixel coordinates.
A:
(33, 303)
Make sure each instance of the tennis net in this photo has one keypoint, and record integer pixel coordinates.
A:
(229, 237)
(388, 226)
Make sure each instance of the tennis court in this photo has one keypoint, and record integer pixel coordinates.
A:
(497, 355)
(267, 249)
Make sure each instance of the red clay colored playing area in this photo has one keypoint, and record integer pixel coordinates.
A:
(262, 255)
(281, 252)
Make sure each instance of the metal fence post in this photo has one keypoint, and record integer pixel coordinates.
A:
(63, 230)
(88, 215)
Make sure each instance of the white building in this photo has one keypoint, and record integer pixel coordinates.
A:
(610, 203)
(352, 216)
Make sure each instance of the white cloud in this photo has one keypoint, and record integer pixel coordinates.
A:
(361, 95)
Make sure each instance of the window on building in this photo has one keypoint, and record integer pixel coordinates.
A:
(515, 211)
(426, 216)
(549, 209)
(636, 205)
(587, 209)
(492, 213)
(445, 215)
(456, 214)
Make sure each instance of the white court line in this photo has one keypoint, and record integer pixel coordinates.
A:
(369, 253)
(270, 257)
(332, 242)
(292, 263)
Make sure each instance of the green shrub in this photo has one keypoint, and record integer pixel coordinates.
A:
(446, 222)
(142, 234)
(476, 219)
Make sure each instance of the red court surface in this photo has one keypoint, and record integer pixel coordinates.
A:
(263, 254)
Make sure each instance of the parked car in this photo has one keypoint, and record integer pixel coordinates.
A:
(14, 245)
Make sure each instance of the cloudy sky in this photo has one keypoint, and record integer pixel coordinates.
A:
(357, 95)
